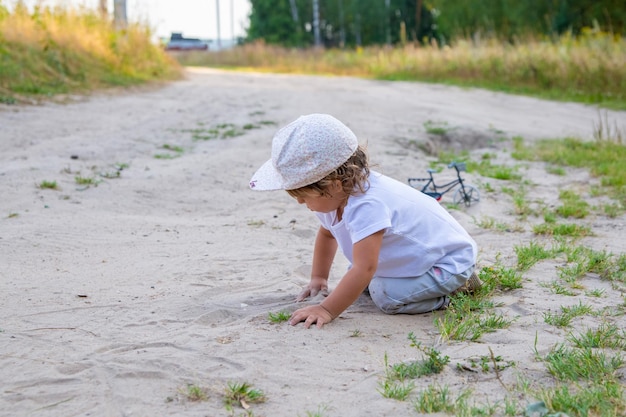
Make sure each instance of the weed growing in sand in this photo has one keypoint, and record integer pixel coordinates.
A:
(520, 200)
(490, 223)
(572, 205)
(395, 385)
(499, 172)
(562, 229)
(242, 394)
(174, 152)
(319, 413)
(574, 364)
(279, 317)
(432, 363)
(48, 185)
(86, 181)
(437, 399)
(356, 333)
(596, 292)
(527, 256)
(556, 170)
(469, 316)
(501, 277)
(12, 215)
(607, 335)
(397, 390)
(194, 392)
(486, 363)
(557, 288)
(436, 128)
(604, 157)
(220, 131)
(566, 315)
(605, 399)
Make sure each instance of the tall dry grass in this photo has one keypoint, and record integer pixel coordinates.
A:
(57, 50)
(590, 68)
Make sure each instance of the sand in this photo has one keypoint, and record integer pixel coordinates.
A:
(116, 296)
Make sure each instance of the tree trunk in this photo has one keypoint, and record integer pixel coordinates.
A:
(102, 8)
(119, 14)
(316, 23)
(418, 20)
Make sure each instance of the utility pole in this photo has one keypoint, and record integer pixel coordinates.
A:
(388, 21)
(294, 11)
(316, 23)
(102, 8)
(418, 20)
(119, 14)
(232, 22)
(219, 40)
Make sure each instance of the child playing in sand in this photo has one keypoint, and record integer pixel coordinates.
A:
(401, 244)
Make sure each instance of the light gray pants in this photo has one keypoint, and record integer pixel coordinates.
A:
(414, 295)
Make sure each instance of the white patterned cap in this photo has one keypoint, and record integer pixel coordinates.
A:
(304, 152)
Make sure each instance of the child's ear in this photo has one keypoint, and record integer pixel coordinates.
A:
(337, 186)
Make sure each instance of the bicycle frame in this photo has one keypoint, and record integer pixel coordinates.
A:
(465, 193)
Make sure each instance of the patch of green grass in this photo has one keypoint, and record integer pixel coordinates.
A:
(490, 223)
(397, 390)
(562, 229)
(278, 317)
(556, 170)
(572, 205)
(607, 335)
(603, 157)
(242, 394)
(527, 256)
(432, 363)
(499, 172)
(438, 399)
(194, 392)
(48, 185)
(605, 399)
(566, 315)
(319, 413)
(574, 364)
(499, 276)
(436, 128)
(521, 201)
(85, 180)
(174, 152)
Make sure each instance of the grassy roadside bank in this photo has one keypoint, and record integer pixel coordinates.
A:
(588, 69)
(52, 51)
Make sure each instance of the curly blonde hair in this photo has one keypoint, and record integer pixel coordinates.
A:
(353, 174)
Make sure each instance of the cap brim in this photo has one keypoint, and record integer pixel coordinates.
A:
(267, 178)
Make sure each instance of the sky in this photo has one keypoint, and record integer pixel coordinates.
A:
(194, 18)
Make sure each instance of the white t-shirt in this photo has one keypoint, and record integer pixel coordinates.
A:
(419, 232)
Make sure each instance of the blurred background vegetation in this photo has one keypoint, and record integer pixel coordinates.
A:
(570, 50)
(350, 23)
(51, 51)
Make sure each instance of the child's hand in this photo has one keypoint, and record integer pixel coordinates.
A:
(311, 314)
(316, 286)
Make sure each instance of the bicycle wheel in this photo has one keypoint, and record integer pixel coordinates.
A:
(467, 195)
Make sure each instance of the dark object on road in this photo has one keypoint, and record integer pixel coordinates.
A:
(179, 43)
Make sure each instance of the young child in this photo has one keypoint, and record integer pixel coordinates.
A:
(401, 244)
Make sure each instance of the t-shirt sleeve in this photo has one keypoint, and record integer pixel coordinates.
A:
(367, 218)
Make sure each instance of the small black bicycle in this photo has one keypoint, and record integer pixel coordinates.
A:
(465, 193)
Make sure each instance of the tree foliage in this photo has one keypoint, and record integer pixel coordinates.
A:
(349, 23)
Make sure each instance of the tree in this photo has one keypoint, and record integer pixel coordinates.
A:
(119, 14)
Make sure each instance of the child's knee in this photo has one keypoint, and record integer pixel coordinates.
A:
(385, 303)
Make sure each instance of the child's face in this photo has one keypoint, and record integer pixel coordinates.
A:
(335, 199)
